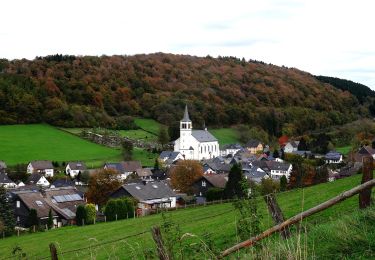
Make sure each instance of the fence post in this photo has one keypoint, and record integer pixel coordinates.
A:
(367, 175)
(156, 235)
(53, 250)
(276, 213)
(116, 217)
(105, 218)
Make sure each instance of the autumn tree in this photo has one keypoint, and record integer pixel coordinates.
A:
(101, 184)
(184, 174)
(127, 149)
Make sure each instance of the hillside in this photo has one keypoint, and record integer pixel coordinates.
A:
(23, 143)
(110, 91)
(131, 238)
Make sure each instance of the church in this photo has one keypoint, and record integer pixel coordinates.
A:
(195, 144)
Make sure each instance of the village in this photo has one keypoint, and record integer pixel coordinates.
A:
(56, 201)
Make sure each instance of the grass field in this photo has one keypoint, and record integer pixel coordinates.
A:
(23, 143)
(344, 150)
(226, 135)
(131, 238)
(149, 125)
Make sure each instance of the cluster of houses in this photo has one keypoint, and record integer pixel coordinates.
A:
(150, 187)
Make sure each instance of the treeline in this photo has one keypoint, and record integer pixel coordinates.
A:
(109, 91)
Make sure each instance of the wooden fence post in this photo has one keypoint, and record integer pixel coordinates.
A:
(276, 213)
(156, 235)
(53, 250)
(367, 175)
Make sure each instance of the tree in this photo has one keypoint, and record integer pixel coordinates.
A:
(81, 215)
(156, 165)
(269, 186)
(101, 184)
(214, 194)
(283, 183)
(321, 175)
(18, 173)
(276, 153)
(83, 176)
(302, 146)
(50, 219)
(163, 136)
(6, 212)
(90, 213)
(127, 149)
(234, 187)
(184, 174)
(32, 219)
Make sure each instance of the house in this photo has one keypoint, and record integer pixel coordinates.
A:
(203, 184)
(144, 173)
(62, 183)
(230, 149)
(3, 167)
(43, 167)
(38, 180)
(256, 174)
(125, 168)
(150, 195)
(216, 166)
(169, 157)
(254, 146)
(278, 169)
(62, 202)
(363, 152)
(291, 147)
(6, 182)
(74, 168)
(208, 170)
(195, 144)
(333, 157)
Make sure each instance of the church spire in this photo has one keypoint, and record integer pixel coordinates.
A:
(186, 115)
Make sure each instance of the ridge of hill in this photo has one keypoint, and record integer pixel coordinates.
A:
(109, 91)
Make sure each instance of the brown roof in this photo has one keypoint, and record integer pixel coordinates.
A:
(41, 165)
(35, 200)
(131, 166)
(217, 180)
(77, 166)
(144, 172)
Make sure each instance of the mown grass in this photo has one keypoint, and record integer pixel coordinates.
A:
(23, 143)
(217, 220)
(225, 135)
(344, 149)
(149, 125)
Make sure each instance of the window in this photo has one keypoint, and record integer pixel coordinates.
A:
(18, 204)
(203, 183)
(39, 203)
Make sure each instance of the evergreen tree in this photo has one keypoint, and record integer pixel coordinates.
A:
(234, 187)
(81, 215)
(276, 153)
(163, 136)
(6, 213)
(302, 146)
(50, 219)
(283, 183)
(32, 219)
(127, 150)
(156, 165)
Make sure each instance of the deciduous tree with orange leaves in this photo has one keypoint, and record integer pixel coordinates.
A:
(184, 174)
(101, 184)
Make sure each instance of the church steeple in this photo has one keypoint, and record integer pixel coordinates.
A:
(186, 115)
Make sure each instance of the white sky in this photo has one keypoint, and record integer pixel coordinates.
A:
(323, 37)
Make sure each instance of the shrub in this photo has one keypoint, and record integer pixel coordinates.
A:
(214, 194)
(90, 213)
(81, 215)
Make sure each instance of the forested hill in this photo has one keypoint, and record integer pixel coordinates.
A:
(359, 90)
(91, 91)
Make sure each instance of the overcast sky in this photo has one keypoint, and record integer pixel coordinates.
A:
(323, 37)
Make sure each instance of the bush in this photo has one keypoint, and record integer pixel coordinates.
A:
(90, 213)
(123, 208)
(81, 215)
(214, 194)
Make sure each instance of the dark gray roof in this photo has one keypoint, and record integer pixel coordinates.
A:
(77, 166)
(5, 179)
(203, 136)
(253, 143)
(34, 178)
(255, 175)
(333, 155)
(279, 166)
(41, 165)
(63, 183)
(232, 146)
(217, 180)
(149, 190)
(186, 115)
(171, 155)
(127, 166)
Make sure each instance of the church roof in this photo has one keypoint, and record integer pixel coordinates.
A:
(186, 115)
(203, 136)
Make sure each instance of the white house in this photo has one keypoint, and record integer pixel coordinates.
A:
(277, 169)
(195, 144)
(291, 147)
(333, 157)
(43, 167)
(38, 180)
(6, 182)
(75, 168)
(230, 149)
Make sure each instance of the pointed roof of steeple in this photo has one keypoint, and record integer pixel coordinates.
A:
(186, 115)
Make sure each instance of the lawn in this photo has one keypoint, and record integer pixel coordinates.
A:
(344, 149)
(146, 158)
(131, 238)
(226, 135)
(138, 134)
(149, 125)
(23, 143)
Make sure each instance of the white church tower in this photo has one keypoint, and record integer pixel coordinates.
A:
(195, 144)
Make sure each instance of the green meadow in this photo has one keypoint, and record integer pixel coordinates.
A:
(225, 135)
(131, 238)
